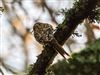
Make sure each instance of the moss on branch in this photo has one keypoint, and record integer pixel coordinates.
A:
(81, 10)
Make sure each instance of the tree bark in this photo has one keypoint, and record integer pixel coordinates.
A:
(73, 17)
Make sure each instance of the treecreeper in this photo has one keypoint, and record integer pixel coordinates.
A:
(43, 34)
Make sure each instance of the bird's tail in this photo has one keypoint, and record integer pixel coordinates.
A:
(58, 48)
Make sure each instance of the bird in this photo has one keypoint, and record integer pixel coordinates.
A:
(44, 34)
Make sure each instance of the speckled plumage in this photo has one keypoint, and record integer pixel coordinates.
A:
(43, 33)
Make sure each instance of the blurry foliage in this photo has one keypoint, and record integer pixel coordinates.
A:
(49, 72)
(1, 9)
(95, 14)
(86, 62)
(16, 21)
(78, 7)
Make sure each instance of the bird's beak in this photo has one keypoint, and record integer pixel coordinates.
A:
(31, 31)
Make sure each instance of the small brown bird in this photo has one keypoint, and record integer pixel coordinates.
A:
(43, 33)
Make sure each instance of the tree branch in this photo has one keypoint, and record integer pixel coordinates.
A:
(73, 17)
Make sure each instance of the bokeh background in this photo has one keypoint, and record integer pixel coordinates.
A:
(18, 47)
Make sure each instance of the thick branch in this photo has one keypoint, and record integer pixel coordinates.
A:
(73, 17)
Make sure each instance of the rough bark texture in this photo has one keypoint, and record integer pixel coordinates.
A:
(76, 15)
